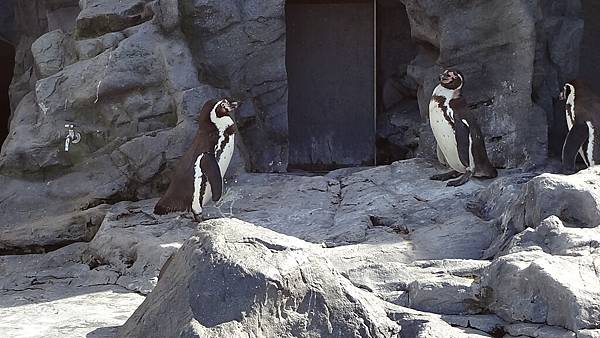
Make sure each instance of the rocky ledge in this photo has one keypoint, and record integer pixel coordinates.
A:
(379, 252)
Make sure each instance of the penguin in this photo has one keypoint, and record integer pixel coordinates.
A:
(582, 109)
(460, 143)
(199, 173)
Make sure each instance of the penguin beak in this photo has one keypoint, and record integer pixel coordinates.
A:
(234, 104)
(561, 96)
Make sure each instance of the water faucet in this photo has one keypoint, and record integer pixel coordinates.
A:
(72, 137)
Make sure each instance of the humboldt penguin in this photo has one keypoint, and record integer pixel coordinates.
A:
(582, 109)
(199, 173)
(460, 144)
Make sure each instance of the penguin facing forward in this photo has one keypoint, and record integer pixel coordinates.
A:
(460, 144)
(199, 173)
(582, 109)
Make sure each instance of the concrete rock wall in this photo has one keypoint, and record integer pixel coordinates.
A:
(131, 75)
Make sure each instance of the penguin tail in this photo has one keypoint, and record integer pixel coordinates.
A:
(165, 206)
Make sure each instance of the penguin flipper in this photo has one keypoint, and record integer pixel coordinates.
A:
(575, 139)
(210, 168)
(463, 141)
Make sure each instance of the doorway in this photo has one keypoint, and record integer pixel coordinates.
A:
(331, 81)
(7, 65)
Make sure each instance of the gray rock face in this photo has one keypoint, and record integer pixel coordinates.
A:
(241, 45)
(547, 275)
(62, 295)
(501, 58)
(516, 206)
(98, 17)
(135, 244)
(274, 286)
(51, 53)
(541, 288)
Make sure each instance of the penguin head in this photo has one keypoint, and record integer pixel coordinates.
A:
(452, 79)
(568, 89)
(225, 106)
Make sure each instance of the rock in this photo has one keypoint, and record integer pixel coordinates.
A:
(74, 312)
(274, 272)
(540, 288)
(89, 48)
(588, 333)
(491, 324)
(422, 325)
(573, 198)
(402, 197)
(533, 330)
(168, 16)
(397, 201)
(501, 98)
(448, 286)
(51, 53)
(132, 134)
(255, 37)
(441, 294)
(98, 17)
(61, 294)
(554, 238)
(133, 242)
(62, 15)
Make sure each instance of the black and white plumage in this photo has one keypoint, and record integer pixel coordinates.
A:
(460, 143)
(582, 112)
(199, 173)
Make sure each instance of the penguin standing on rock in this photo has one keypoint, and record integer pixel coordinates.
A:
(582, 111)
(460, 144)
(199, 173)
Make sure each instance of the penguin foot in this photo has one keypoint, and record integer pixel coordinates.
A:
(462, 180)
(199, 219)
(445, 176)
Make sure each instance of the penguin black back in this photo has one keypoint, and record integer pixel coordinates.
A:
(179, 194)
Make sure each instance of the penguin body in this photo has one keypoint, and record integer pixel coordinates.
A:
(582, 109)
(460, 143)
(199, 173)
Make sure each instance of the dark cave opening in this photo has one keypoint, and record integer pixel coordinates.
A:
(7, 65)
(589, 71)
(350, 101)
(398, 117)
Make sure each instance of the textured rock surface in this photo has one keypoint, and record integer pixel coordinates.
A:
(229, 258)
(371, 243)
(506, 57)
(131, 75)
(274, 286)
(516, 206)
(407, 243)
(60, 295)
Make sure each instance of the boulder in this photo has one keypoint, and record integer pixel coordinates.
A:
(537, 287)
(136, 244)
(98, 17)
(572, 198)
(233, 278)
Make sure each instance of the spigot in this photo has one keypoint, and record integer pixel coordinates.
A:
(72, 137)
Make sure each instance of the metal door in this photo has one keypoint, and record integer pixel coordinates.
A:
(330, 66)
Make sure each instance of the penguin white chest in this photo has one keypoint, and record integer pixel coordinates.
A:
(228, 146)
(444, 134)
